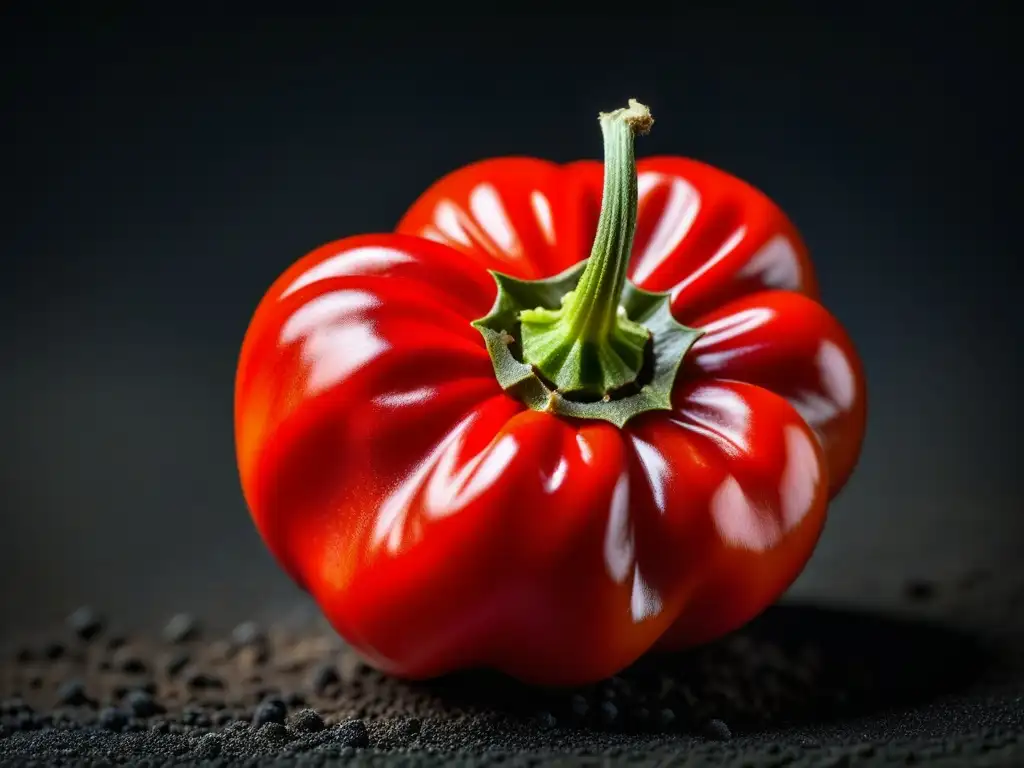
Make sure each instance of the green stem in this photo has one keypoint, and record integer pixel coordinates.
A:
(588, 345)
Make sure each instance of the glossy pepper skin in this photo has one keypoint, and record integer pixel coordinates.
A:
(442, 524)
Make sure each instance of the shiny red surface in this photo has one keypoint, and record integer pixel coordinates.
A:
(440, 524)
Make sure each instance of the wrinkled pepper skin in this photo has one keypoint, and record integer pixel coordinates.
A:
(440, 524)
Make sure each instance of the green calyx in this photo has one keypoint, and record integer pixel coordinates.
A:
(587, 343)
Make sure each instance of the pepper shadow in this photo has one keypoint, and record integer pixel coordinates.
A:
(794, 665)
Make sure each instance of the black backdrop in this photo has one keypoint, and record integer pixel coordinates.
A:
(160, 168)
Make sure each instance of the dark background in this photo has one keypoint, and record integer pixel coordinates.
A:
(160, 169)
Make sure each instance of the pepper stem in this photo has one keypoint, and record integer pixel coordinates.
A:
(588, 345)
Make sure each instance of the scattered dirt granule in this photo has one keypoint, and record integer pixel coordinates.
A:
(775, 693)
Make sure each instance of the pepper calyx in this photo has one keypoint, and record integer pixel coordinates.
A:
(651, 390)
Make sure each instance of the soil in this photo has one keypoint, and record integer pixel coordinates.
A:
(800, 686)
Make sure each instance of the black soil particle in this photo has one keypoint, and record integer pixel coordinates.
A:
(920, 590)
(271, 710)
(181, 628)
(85, 623)
(799, 686)
(306, 721)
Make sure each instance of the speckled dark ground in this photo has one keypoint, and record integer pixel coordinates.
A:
(801, 686)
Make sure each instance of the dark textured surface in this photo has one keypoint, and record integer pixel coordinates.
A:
(800, 686)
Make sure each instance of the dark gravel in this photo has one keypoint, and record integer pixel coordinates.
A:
(182, 628)
(85, 623)
(800, 686)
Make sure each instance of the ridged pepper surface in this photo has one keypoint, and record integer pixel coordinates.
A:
(564, 415)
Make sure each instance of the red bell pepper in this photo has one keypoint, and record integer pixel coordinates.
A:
(474, 445)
